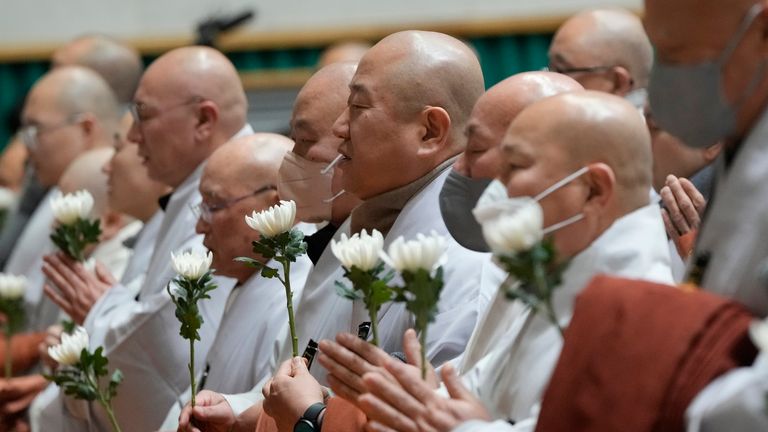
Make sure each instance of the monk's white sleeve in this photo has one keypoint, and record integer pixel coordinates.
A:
(736, 402)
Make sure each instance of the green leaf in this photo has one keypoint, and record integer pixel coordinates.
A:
(269, 272)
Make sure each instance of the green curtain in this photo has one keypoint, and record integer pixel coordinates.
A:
(500, 57)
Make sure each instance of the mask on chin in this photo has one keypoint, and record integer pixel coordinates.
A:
(458, 197)
(307, 183)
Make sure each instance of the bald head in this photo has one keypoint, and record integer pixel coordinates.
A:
(72, 110)
(318, 104)
(429, 69)
(600, 137)
(85, 173)
(240, 178)
(496, 109)
(189, 102)
(248, 162)
(343, 52)
(205, 73)
(119, 64)
(610, 38)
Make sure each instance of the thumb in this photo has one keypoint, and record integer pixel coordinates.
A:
(453, 383)
(298, 367)
(412, 347)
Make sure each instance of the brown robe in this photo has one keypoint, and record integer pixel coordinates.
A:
(637, 353)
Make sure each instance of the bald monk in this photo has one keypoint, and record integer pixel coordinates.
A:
(478, 164)
(606, 163)
(410, 100)
(68, 112)
(119, 64)
(109, 255)
(189, 102)
(239, 178)
(728, 105)
(481, 160)
(321, 100)
(605, 50)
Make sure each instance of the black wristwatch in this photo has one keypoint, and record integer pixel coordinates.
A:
(309, 421)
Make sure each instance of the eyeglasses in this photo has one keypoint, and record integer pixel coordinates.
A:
(575, 70)
(29, 134)
(138, 110)
(205, 211)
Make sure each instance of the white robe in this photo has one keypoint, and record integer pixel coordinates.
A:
(470, 281)
(511, 379)
(735, 232)
(144, 343)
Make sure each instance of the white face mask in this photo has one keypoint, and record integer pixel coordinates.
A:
(494, 201)
(309, 184)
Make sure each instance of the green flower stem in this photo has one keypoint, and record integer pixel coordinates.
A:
(192, 368)
(286, 280)
(423, 341)
(546, 294)
(8, 353)
(374, 326)
(107, 405)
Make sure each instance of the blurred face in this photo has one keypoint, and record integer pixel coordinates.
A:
(378, 141)
(164, 129)
(568, 56)
(226, 233)
(128, 176)
(684, 38)
(670, 155)
(314, 114)
(532, 162)
(53, 138)
(485, 130)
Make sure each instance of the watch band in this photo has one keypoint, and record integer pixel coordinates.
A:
(310, 417)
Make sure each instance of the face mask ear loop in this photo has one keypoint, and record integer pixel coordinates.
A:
(746, 23)
(563, 224)
(330, 166)
(327, 200)
(561, 183)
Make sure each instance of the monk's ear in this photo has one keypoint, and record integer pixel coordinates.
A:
(207, 117)
(622, 81)
(436, 130)
(602, 185)
(87, 124)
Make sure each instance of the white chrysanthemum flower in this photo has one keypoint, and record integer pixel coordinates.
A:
(758, 332)
(511, 226)
(12, 287)
(7, 198)
(361, 250)
(67, 353)
(67, 209)
(273, 221)
(425, 252)
(191, 265)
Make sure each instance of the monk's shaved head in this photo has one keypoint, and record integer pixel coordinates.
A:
(119, 64)
(79, 90)
(248, 162)
(409, 103)
(189, 102)
(429, 69)
(85, 173)
(600, 137)
(201, 72)
(68, 111)
(240, 177)
(604, 37)
(496, 109)
(589, 127)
